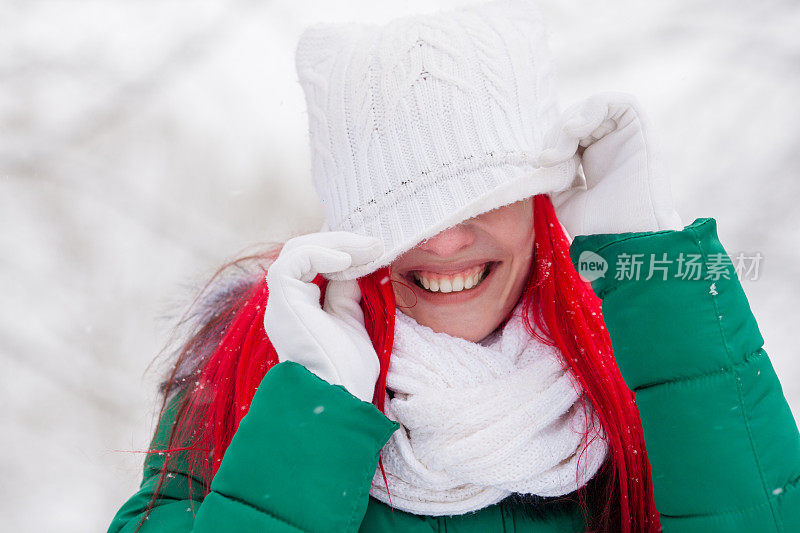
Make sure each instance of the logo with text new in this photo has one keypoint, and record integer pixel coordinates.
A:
(591, 266)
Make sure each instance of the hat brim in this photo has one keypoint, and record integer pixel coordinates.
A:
(516, 182)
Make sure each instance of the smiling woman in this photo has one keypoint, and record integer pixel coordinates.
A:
(495, 399)
(465, 280)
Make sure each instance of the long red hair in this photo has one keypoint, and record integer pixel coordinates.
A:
(222, 364)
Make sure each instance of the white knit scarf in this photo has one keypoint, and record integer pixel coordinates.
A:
(480, 421)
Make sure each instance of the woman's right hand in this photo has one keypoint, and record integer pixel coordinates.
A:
(329, 340)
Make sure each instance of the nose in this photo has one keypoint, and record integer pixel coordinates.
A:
(450, 241)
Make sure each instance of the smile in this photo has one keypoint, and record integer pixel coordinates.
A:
(465, 280)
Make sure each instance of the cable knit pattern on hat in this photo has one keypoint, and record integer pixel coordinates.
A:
(428, 120)
(480, 421)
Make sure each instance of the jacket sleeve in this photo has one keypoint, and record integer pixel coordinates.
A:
(723, 445)
(302, 460)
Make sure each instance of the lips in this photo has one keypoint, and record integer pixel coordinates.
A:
(444, 282)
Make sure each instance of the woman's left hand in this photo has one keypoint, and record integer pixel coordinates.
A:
(626, 188)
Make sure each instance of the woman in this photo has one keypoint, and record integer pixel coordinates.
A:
(492, 401)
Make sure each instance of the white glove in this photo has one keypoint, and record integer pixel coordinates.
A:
(626, 188)
(329, 340)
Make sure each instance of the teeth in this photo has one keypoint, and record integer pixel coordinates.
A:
(454, 284)
(445, 285)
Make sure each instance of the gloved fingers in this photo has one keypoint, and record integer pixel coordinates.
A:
(622, 113)
(623, 152)
(361, 248)
(304, 262)
(342, 299)
(606, 126)
(563, 138)
(585, 122)
(306, 256)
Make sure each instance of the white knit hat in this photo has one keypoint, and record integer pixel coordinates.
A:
(428, 120)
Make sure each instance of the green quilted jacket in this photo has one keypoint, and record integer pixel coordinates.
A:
(722, 442)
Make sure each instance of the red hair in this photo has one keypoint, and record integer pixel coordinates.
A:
(556, 301)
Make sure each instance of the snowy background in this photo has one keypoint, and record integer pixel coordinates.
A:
(144, 143)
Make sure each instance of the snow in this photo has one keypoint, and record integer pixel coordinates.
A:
(143, 144)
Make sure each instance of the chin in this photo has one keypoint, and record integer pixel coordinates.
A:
(453, 322)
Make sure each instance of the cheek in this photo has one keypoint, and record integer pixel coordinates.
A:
(515, 223)
(523, 254)
(518, 235)
(519, 240)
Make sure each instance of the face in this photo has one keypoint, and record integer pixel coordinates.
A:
(465, 280)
